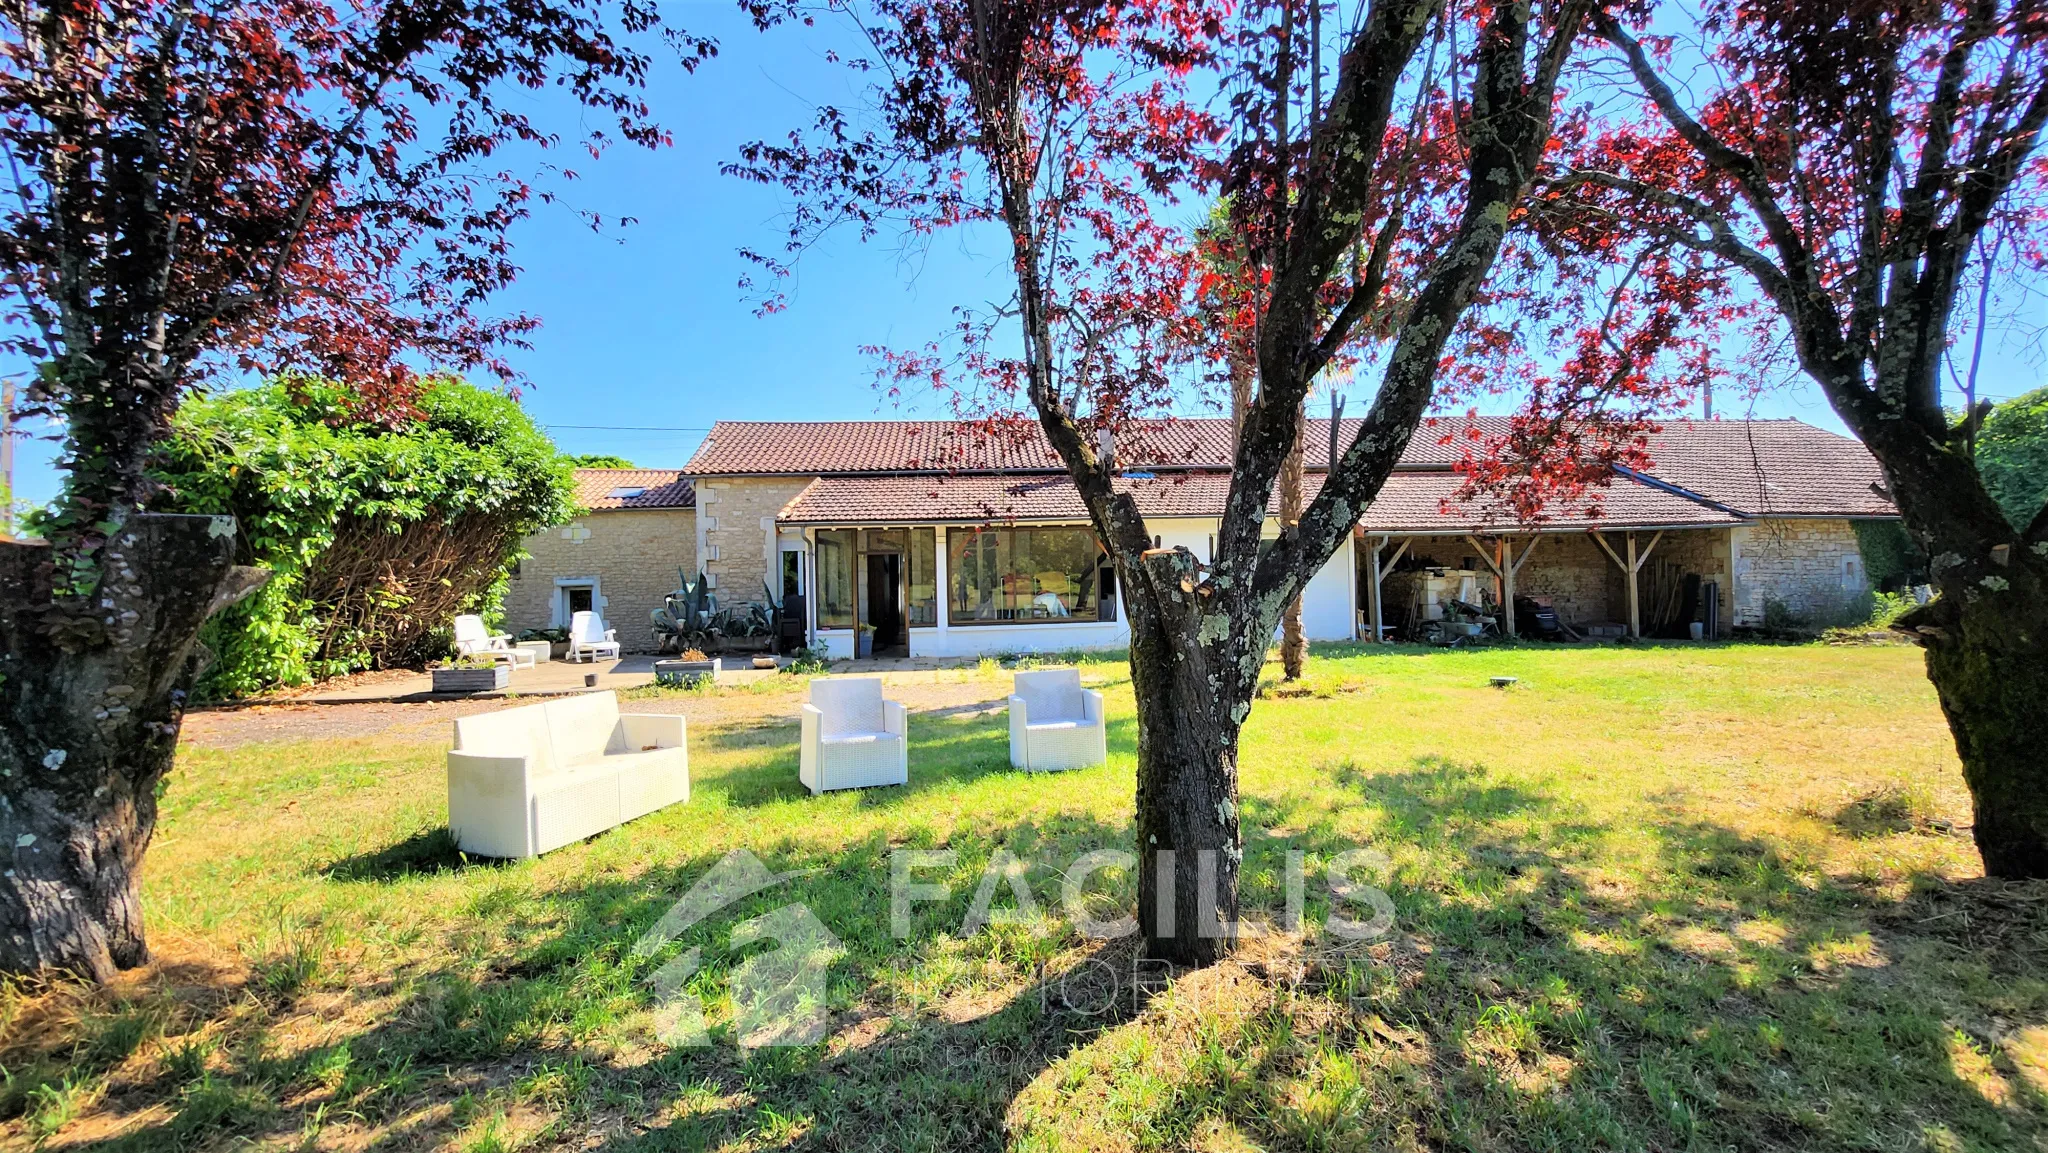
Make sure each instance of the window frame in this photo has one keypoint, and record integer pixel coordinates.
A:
(1093, 573)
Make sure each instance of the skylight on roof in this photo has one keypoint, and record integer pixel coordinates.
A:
(627, 493)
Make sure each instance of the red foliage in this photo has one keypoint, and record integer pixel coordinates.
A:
(255, 187)
(1813, 197)
(1104, 136)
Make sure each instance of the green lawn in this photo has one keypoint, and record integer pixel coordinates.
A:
(1649, 898)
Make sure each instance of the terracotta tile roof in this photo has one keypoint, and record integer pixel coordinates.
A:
(1765, 467)
(1410, 502)
(978, 497)
(1756, 467)
(1770, 468)
(1416, 502)
(811, 448)
(601, 489)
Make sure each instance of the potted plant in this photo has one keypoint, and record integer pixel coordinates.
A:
(471, 675)
(688, 669)
(864, 642)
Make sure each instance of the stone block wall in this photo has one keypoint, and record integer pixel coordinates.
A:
(1814, 566)
(1576, 576)
(1702, 551)
(633, 554)
(1583, 585)
(736, 531)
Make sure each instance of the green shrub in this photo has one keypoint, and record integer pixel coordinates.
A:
(2012, 454)
(375, 534)
(1886, 608)
(1889, 554)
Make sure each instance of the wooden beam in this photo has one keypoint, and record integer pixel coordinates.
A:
(1635, 613)
(1533, 542)
(1600, 539)
(1507, 587)
(1646, 552)
(1375, 597)
(1481, 550)
(1373, 612)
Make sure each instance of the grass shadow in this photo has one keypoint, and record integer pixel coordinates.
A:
(424, 853)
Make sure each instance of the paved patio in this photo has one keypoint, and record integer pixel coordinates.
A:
(557, 678)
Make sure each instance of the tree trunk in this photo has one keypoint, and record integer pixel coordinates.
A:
(1192, 695)
(1293, 642)
(89, 727)
(1987, 654)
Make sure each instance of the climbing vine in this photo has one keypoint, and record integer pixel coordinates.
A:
(377, 529)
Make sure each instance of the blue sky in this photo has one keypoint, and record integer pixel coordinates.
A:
(646, 331)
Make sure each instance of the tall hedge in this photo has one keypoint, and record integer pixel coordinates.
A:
(375, 535)
(2012, 453)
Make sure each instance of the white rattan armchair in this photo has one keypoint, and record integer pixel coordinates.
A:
(472, 639)
(589, 638)
(1055, 723)
(852, 737)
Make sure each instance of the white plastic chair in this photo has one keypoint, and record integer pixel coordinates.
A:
(852, 737)
(589, 637)
(1056, 724)
(472, 639)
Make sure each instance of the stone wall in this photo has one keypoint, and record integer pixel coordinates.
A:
(1814, 566)
(633, 554)
(1701, 551)
(736, 531)
(1580, 582)
(1578, 579)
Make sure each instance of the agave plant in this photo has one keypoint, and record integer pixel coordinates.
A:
(688, 614)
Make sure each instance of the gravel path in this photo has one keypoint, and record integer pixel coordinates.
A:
(429, 721)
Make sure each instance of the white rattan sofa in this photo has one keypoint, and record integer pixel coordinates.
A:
(852, 738)
(526, 780)
(1055, 723)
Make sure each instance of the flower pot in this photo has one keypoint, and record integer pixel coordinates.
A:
(684, 672)
(864, 645)
(471, 680)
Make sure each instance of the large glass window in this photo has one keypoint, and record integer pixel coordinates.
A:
(1021, 575)
(835, 578)
(924, 578)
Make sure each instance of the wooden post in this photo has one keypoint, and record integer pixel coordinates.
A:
(1514, 565)
(1493, 562)
(1379, 574)
(1635, 615)
(1372, 598)
(1504, 572)
(1507, 586)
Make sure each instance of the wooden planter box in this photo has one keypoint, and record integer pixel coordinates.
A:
(745, 644)
(684, 672)
(471, 680)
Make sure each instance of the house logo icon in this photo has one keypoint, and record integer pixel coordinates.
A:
(778, 996)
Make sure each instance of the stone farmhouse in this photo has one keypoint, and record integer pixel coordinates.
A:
(938, 539)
